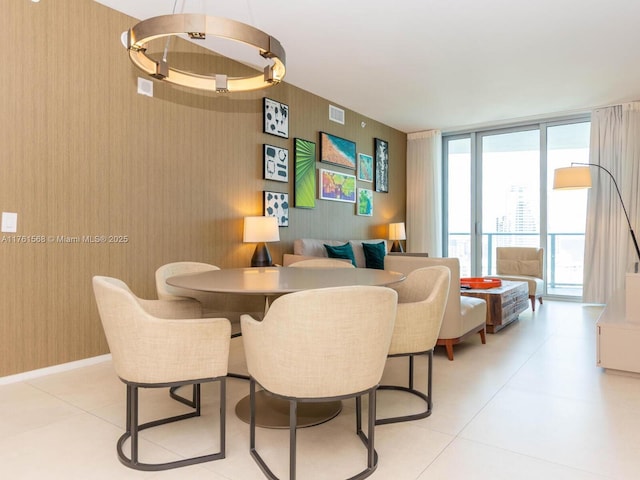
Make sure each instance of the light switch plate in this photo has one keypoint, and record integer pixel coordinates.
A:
(9, 222)
(145, 87)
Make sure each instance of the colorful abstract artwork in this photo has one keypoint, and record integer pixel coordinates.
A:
(276, 118)
(305, 164)
(276, 204)
(337, 151)
(340, 187)
(365, 167)
(365, 202)
(276, 163)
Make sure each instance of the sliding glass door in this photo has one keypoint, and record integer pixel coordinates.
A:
(499, 193)
(459, 218)
(510, 213)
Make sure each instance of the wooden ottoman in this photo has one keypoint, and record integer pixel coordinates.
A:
(504, 303)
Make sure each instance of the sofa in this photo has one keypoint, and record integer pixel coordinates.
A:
(307, 248)
(463, 316)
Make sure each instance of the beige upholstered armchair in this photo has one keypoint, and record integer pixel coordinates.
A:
(321, 345)
(157, 343)
(463, 316)
(422, 298)
(523, 264)
(225, 305)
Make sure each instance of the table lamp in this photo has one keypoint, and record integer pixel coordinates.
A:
(397, 233)
(574, 177)
(261, 230)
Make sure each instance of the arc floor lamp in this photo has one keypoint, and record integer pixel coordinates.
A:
(575, 177)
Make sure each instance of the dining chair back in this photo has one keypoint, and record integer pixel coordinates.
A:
(422, 298)
(464, 317)
(159, 343)
(227, 305)
(319, 345)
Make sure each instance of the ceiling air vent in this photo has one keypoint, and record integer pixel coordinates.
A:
(336, 114)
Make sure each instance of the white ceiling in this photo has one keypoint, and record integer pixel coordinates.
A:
(447, 64)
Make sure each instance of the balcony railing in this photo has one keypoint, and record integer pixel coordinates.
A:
(563, 255)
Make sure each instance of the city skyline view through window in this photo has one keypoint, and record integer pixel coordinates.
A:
(499, 193)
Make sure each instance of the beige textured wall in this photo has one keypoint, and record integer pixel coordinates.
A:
(83, 154)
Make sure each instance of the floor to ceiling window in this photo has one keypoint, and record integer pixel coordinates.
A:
(498, 192)
(510, 173)
(458, 199)
(567, 210)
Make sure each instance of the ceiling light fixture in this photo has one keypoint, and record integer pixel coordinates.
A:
(198, 26)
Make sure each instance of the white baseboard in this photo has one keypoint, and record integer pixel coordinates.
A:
(41, 372)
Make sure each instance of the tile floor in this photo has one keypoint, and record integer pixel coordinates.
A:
(531, 404)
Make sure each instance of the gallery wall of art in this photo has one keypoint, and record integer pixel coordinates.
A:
(160, 178)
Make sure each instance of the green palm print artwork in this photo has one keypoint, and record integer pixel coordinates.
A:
(305, 184)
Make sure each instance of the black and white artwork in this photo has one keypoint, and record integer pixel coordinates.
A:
(276, 118)
(276, 163)
(276, 204)
(381, 148)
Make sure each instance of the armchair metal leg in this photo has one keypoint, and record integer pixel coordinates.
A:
(372, 455)
(195, 396)
(252, 432)
(293, 425)
(196, 391)
(132, 429)
(410, 389)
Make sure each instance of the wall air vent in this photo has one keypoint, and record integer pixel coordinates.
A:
(336, 114)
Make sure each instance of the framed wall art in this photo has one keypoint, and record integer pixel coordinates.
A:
(276, 204)
(382, 165)
(276, 118)
(365, 167)
(304, 191)
(337, 151)
(276, 163)
(365, 202)
(340, 187)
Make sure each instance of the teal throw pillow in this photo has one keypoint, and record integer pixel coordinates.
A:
(374, 254)
(341, 251)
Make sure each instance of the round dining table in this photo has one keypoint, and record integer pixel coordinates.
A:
(279, 280)
(272, 282)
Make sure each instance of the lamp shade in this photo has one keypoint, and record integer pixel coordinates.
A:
(260, 229)
(571, 178)
(397, 232)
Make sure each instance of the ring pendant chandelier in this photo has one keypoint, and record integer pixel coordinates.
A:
(197, 27)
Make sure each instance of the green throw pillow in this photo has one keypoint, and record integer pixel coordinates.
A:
(374, 254)
(341, 251)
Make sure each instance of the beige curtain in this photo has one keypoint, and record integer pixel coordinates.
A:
(609, 250)
(424, 193)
